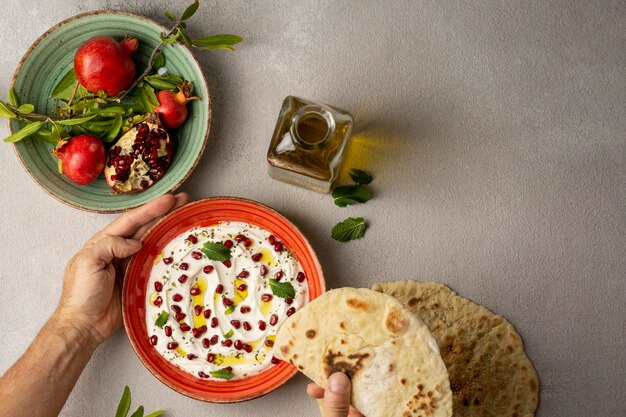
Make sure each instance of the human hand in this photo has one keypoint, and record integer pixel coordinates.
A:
(91, 297)
(336, 396)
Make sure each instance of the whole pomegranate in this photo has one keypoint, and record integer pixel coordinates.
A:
(102, 63)
(139, 158)
(82, 158)
(173, 106)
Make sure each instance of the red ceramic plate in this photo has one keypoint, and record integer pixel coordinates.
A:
(204, 213)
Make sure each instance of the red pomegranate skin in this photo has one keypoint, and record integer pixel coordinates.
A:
(102, 63)
(82, 158)
(172, 108)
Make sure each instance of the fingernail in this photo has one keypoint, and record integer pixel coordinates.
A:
(338, 383)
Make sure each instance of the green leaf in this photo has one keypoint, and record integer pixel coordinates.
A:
(360, 177)
(349, 229)
(26, 108)
(159, 61)
(219, 40)
(282, 289)
(114, 130)
(47, 136)
(156, 413)
(124, 405)
(27, 130)
(161, 319)
(185, 37)
(138, 413)
(350, 194)
(216, 251)
(72, 122)
(65, 87)
(229, 334)
(160, 84)
(5, 112)
(229, 310)
(213, 47)
(190, 10)
(223, 374)
(170, 16)
(152, 98)
(12, 97)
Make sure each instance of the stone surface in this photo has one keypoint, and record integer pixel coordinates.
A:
(496, 135)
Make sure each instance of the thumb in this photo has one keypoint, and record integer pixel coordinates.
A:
(337, 396)
(110, 247)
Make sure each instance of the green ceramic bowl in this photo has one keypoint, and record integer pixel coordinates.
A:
(52, 55)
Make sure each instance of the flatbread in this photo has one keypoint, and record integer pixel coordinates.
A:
(391, 358)
(490, 374)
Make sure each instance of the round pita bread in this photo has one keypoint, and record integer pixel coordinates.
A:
(490, 375)
(391, 358)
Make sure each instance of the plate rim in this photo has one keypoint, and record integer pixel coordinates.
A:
(161, 27)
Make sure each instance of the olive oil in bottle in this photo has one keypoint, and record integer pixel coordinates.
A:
(308, 144)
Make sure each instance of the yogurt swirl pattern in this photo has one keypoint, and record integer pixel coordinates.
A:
(223, 316)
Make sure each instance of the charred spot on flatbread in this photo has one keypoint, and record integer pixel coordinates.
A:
(350, 365)
(310, 333)
(284, 349)
(397, 322)
(357, 304)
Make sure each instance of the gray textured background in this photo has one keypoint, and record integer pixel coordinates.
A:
(496, 132)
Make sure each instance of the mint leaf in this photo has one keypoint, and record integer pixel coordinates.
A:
(349, 229)
(229, 334)
(216, 251)
(229, 310)
(282, 289)
(360, 177)
(162, 319)
(223, 374)
(124, 405)
(350, 194)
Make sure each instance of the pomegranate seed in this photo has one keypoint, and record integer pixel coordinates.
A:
(168, 261)
(194, 291)
(158, 286)
(205, 343)
(291, 311)
(229, 368)
(168, 331)
(279, 275)
(278, 247)
(262, 325)
(275, 360)
(247, 348)
(247, 242)
(154, 339)
(192, 239)
(227, 302)
(197, 309)
(246, 325)
(176, 308)
(144, 183)
(172, 345)
(177, 297)
(271, 240)
(300, 277)
(196, 255)
(219, 289)
(158, 301)
(208, 269)
(185, 327)
(266, 297)
(207, 313)
(236, 323)
(240, 238)
(289, 301)
(227, 343)
(243, 274)
(182, 279)
(227, 264)
(196, 332)
(214, 339)
(273, 319)
(180, 316)
(202, 329)
(202, 374)
(238, 344)
(229, 244)
(191, 356)
(269, 343)
(242, 287)
(245, 309)
(184, 266)
(214, 322)
(263, 271)
(210, 357)
(257, 257)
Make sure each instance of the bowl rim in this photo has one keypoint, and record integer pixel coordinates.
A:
(168, 217)
(162, 28)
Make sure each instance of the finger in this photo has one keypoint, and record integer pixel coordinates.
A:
(181, 200)
(313, 391)
(337, 396)
(354, 413)
(127, 224)
(111, 247)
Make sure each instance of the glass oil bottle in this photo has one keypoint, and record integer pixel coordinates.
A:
(309, 143)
